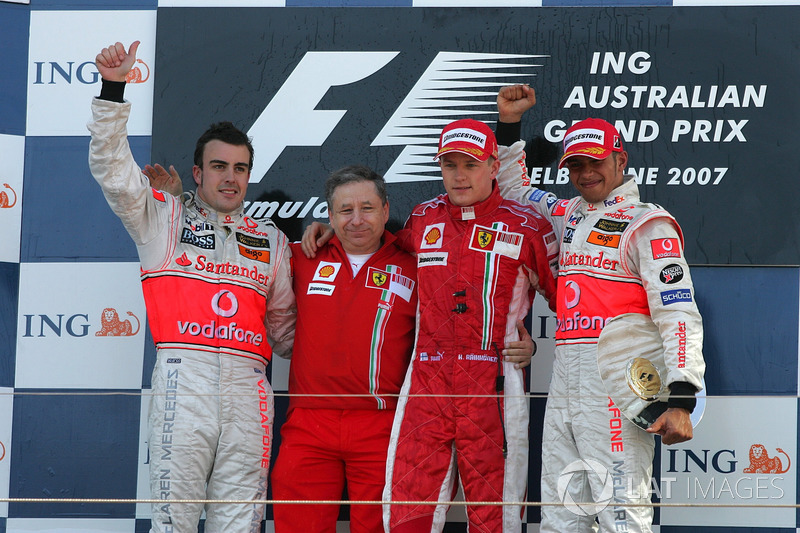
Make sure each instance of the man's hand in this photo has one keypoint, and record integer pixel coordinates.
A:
(114, 62)
(513, 101)
(674, 426)
(162, 180)
(520, 352)
(314, 237)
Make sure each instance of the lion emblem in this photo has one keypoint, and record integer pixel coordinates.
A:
(762, 463)
(112, 326)
(4, 203)
(135, 75)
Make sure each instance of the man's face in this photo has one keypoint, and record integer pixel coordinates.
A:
(358, 216)
(467, 180)
(222, 182)
(595, 179)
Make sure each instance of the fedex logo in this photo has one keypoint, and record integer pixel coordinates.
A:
(415, 124)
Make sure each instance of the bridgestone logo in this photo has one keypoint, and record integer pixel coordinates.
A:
(595, 136)
(464, 135)
(428, 259)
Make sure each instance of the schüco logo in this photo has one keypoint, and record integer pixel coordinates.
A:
(85, 72)
(80, 324)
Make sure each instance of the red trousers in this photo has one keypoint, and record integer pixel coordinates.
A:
(321, 452)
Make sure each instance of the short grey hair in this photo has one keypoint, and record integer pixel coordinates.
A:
(353, 174)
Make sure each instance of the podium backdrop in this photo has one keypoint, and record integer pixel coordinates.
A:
(704, 93)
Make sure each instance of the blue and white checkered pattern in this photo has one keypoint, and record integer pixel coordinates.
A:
(73, 404)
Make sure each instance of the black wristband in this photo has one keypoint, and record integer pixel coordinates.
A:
(113, 91)
(681, 394)
(507, 133)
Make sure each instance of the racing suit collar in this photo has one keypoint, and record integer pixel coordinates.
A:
(233, 218)
(477, 210)
(624, 194)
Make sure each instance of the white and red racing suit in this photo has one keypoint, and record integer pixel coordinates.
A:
(218, 291)
(477, 267)
(617, 256)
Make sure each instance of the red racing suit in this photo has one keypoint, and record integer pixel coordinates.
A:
(477, 268)
(618, 256)
(217, 287)
(353, 343)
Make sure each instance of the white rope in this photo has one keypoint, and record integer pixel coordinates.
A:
(379, 502)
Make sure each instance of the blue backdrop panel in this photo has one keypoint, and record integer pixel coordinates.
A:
(14, 28)
(750, 318)
(77, 5)
(9, 298)
(85, 447)
(65, 216)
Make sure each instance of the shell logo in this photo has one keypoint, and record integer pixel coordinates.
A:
(433, 235)
(326, 271)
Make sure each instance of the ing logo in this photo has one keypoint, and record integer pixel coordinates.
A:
(4, 202)
(140, 73)
(762, 463)
(113, 326)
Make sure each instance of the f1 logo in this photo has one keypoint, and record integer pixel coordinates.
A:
(415, 124)
(292, 107)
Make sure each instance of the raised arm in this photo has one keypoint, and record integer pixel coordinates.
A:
(114, 62)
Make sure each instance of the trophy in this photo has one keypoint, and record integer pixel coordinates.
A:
(630, 357)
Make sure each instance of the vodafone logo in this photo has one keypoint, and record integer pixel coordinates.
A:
(572, 294)
(225, 304)
(663, 248)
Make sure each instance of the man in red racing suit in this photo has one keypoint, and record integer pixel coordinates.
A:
(463, 412)
(356, 314)
(617, 255)
(217, 287)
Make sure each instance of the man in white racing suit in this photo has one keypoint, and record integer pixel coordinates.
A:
(617, 255)
(217, 287)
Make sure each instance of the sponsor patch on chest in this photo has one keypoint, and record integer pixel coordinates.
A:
(205, 242)
(494, 241)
